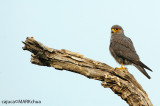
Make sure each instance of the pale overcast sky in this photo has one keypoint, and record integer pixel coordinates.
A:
(81, 26)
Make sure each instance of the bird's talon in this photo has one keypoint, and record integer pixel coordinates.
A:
(121, 68)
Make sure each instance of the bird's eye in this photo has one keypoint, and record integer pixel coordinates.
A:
(117, 29)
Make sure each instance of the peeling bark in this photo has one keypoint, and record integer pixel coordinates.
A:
(121, 82)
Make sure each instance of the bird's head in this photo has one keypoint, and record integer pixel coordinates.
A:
(116, 29)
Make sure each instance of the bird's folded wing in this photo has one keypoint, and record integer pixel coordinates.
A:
(123, 47)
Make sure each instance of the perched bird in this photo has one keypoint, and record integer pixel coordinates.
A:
(122, 49)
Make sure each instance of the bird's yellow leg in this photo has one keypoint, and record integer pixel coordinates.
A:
(121, 67)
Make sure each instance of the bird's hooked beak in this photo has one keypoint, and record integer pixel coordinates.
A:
(112, 31)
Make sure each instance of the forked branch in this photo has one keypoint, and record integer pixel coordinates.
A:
(121, 82)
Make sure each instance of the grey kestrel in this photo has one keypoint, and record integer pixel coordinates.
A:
(122, 49)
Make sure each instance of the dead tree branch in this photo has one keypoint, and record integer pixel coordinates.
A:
(121, 82)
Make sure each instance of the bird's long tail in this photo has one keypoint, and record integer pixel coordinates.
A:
(143, 65)
(142, 70)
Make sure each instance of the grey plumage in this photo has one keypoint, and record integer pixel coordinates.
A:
(122, 49)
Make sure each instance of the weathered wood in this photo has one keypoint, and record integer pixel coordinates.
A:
(121, 82)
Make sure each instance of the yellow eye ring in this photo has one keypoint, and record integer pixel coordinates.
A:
(115, 30)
